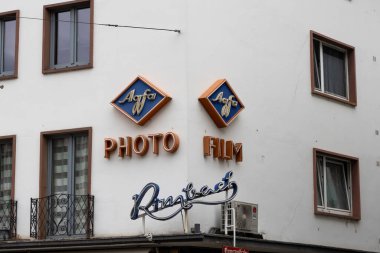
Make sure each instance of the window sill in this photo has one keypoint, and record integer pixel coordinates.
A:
(66, 69)
(8, 77)
(331, 97)
(348, 216)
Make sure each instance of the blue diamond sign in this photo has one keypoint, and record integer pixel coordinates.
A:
(140, 100)
(221, 103)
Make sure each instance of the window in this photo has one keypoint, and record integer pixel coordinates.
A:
(65, 206)
(8, 207)
(68, 36)
(336, 184)
(333, 69)
(7, 167)
(68, 164)
(9, 24)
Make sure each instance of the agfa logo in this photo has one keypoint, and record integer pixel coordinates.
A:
(227, 103)
(140, 100)
(221, 103)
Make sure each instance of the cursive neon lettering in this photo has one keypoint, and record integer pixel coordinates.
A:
(191, 197)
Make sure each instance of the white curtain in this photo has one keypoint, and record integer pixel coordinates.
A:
(60, 165)
(80, 184)
(5, 171)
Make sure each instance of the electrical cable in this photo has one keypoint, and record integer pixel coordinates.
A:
(111, 25)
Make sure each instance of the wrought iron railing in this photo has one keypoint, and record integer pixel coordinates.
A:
(62, 215)
(8, 219)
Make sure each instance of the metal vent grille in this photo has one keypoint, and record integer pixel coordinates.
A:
(246, 217)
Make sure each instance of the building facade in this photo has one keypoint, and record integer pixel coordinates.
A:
(79, 137)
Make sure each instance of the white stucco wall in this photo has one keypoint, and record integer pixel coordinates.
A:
(262, 48)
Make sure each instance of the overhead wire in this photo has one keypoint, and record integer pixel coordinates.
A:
(106, 25)
(110, 25)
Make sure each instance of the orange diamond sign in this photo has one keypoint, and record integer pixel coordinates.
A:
(221, 103)
(140, 100)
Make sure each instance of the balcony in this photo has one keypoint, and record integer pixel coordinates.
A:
(63, 215)
(8, 219)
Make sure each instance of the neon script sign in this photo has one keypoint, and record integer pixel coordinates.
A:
(186, 201)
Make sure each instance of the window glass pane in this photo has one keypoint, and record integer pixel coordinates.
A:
(62, 38)
(9, 45)
(320, 182)
(336, 185)
(5, 171)
(334, 70)
(317, 64)
(60, 166)
(81, 165)
(83, 36)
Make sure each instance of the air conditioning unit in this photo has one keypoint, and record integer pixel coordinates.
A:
(246, 217)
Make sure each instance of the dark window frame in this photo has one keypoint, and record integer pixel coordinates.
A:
(12, 15)
(12, 139)
(47, 67)
(355, 213)
(350, 54)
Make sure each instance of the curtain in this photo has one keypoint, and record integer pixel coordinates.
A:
(81, 165)
(60, 166)
(58, 225)
(5, 183)
(334, 70)
(80, 184)
(5, 171)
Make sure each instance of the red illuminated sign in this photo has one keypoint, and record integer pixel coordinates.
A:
(227, 249)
